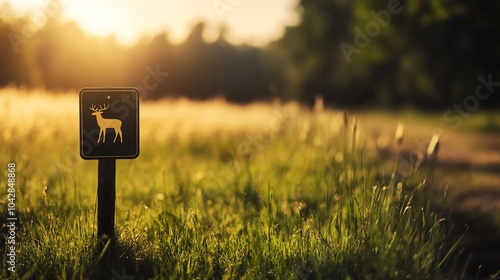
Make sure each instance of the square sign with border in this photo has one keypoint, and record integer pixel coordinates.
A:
(109, 123)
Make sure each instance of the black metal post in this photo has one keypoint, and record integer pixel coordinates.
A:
(106, 195)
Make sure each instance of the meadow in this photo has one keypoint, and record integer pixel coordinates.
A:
(262, 191)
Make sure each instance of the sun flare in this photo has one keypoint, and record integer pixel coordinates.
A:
(105, 20)
(128, 21)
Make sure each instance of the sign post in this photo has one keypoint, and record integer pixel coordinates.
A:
(109, 130)
(106, 195)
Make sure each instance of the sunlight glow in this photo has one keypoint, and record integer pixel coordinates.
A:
(254, 22)
(104, 21)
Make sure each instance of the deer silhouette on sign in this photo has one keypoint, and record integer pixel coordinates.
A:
(104, 124)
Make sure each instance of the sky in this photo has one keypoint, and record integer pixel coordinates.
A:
(254, 22)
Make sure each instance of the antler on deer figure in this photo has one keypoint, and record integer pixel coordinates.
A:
(104, 124)
(100, 109)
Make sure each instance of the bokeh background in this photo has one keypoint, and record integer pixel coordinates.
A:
(353, 53)
(243, 100)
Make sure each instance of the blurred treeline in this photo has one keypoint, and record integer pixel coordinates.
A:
(428, 54)
(60, 57)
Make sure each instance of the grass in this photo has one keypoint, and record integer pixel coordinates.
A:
(480, 121)
(297, 195)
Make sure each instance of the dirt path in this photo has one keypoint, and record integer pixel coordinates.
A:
(473, 156)
(469, 165)
(468, 161)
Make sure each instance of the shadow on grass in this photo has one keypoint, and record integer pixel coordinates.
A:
(477, 212)
(473, 219)
(120, 259)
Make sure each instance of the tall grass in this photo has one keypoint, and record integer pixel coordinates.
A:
(303, 196)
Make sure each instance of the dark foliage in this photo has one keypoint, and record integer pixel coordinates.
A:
(354, 53)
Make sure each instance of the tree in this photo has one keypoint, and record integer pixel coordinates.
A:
(394, 52)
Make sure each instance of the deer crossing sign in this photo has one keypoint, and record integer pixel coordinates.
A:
(109, 123)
